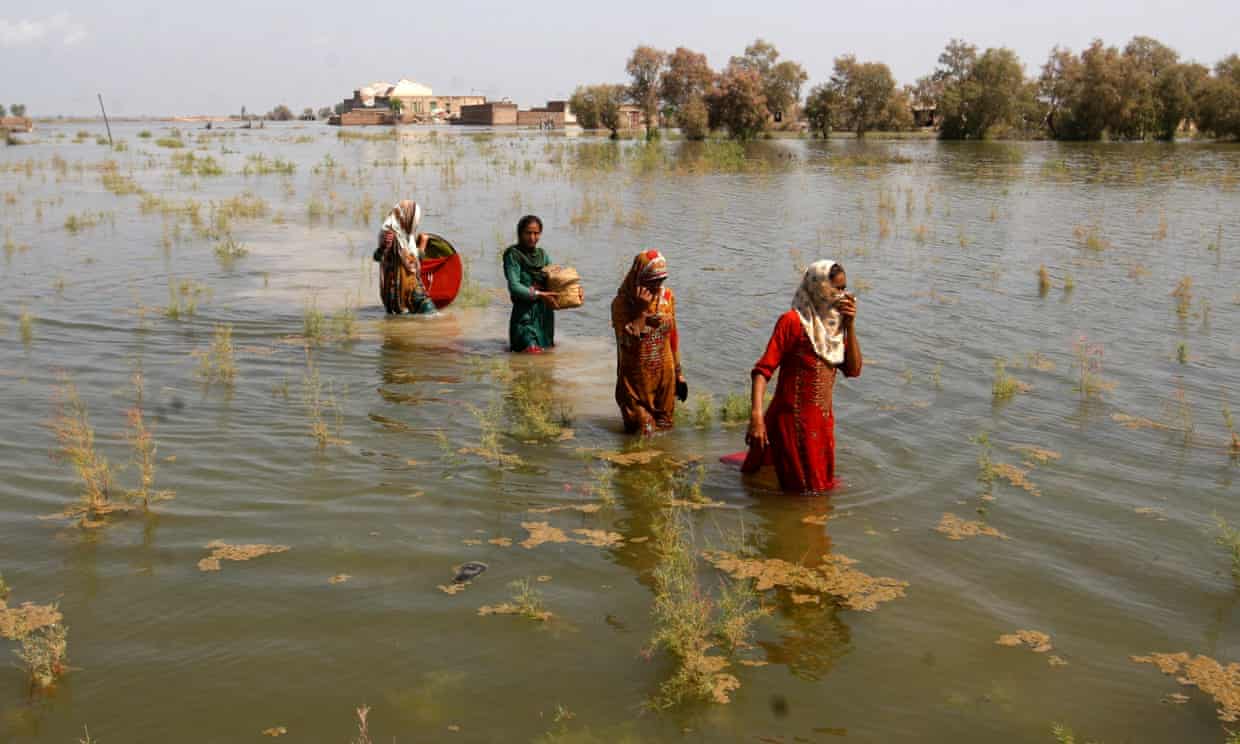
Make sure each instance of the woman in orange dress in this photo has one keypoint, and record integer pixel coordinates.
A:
(809, 344)
(648, 373)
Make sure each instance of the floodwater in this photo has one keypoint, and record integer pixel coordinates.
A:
(1109, 548)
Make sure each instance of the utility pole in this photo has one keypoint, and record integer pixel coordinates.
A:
(105, 119)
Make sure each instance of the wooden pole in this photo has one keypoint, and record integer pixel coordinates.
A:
(105, 120)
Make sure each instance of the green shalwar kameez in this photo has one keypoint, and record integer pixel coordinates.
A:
(532, 322)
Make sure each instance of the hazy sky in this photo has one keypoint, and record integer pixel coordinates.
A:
(217, 55)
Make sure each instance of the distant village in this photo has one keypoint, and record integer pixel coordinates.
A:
(409, 102)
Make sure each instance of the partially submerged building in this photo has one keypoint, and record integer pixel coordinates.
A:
(16, 124)
(555, 115)
(405, 102)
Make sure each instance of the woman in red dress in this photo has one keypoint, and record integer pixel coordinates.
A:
(810, 342)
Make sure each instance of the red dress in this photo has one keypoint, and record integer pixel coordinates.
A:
(800, 423)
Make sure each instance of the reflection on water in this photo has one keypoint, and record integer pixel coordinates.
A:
(442, 443)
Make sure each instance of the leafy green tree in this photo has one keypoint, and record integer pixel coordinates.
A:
(781, 81)
(862, 92)
(686, 77)
(897, 115)
(738, 104)
(18, 109)
(3, 110)
(644, 69)
(694, 119)
(584, 107)
(1218, 102)
(325, 112)
(1057, 89)
(821, 106)
(978, 92)
(1176, 92)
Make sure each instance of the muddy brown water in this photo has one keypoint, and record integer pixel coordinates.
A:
(1113, 555)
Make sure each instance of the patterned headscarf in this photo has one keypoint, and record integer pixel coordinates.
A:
(648, 267)
(815, 303)
(403, 221)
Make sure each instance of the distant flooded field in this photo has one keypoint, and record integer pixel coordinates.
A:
(1039, 461)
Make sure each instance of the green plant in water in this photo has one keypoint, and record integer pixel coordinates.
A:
(985, 465)
(1044, 281)
(25, 327)
(1181, 352)
(344, 320)
(5, 590)
(489, 445)
(172, 143)
(183, 298)
(471, 294)
(1229, 538)
(1004, 385)
(533, 411)
(735, 409)
(319, 398)
(528, 600)
(142, 442)
(76, 445)
(217, 364)
(314, 323)
(1069, 283)
(690, 622)
(1183, 294)
(1090, 238)
(1088, 365)
(229, 250)
(703, 411)
(1229, 422)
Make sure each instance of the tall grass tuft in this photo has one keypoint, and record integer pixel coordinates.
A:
(44, 653)
(1088, 365)
(142, 442)
(314, 323)
(1183, 294)
(76, 445)
(735, 409)
(25, 327)
(344, 320)
(218, 365)
(1004, 385)
(1044, 281)
(1229, 538)
(690, 622)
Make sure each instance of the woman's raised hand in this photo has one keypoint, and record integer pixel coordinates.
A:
(645, 295)
(388, 238)
(848, 310)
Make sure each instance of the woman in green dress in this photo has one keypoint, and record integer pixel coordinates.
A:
(532, 326)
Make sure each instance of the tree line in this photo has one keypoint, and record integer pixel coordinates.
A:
(1141, 92)
(16, 109)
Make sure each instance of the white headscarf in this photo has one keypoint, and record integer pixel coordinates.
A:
(403, 221)
(815, 303)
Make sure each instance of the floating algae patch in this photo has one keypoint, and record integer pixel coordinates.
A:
(275, 731)
(222, 551)
(541, 532)
(1032, 452)
(636, 457)
(958, 529)
(1136, 422)
(836, 576)
(19, 622)
(1035, 640)
(599, 538)
(452, 588)
(503, 542)
(1057, 661)
(1220, 682)
(339, 579)
(1017, 476)
(508, 608)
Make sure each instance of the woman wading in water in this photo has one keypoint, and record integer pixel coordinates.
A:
(400, 255)
(532, 325)
(810, 342)
(648, 373)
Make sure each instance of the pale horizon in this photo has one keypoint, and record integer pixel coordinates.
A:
(160, 61)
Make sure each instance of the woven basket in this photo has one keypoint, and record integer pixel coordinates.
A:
(565, 284)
